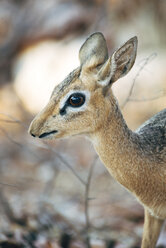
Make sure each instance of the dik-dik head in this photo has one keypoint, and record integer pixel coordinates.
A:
(81, 103)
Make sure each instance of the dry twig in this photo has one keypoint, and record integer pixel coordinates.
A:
(146, 61)
(87, 190)
(65, 162)
(12, 120)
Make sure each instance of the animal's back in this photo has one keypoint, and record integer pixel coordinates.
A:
(152, 135)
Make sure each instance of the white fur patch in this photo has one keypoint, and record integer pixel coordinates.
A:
(72, 109)
(113, 65)
(105, 81)
(113, 69)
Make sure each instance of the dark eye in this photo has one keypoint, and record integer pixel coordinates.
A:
(76, 100)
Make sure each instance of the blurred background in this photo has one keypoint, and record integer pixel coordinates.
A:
(59, 194)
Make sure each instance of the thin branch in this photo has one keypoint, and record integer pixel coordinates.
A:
(87, 190)
(9, 138)
(10, 185)
(61, 158)
(148, 99)
(8, 121)
(12, 119)
(65, 162)
(9, 212)
(17, 143)
(146, 61)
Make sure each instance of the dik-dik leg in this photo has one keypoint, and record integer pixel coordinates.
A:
(152, 228)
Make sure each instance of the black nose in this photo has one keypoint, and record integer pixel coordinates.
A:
(33, 135)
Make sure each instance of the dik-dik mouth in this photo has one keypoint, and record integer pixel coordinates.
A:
(43, 135)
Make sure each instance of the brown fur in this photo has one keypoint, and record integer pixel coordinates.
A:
(136, 159)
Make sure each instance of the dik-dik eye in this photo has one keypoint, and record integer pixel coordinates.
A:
(76, 100)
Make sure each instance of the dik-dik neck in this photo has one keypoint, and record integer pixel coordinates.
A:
(117, 146)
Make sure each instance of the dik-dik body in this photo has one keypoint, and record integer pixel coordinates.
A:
(84, 104)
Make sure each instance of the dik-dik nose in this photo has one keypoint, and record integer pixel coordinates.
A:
(31, 131)
(32, 134)
(34, 129)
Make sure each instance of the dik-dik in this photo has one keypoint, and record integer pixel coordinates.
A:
(84, 104)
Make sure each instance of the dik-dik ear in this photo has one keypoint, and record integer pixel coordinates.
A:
(119, 64)
(93, 52)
